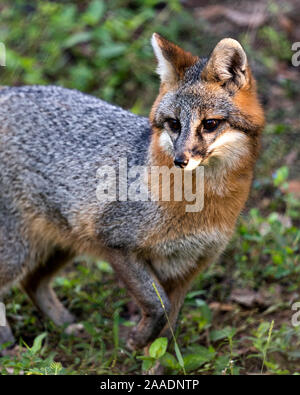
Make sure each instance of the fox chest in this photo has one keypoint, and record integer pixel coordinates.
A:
(176, 258)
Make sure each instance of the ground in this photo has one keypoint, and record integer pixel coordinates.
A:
(237, 319)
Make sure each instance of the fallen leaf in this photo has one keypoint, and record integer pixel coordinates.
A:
(244, 297)
(257, 18)
(250, 298)
(294, 187)
(291, 157)
(221, 306)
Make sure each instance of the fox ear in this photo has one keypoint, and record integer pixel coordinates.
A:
(172, 60)
(227, 65)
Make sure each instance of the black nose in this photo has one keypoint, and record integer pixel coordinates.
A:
(181, 162)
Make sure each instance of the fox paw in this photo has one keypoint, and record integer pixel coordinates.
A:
(136, 340)
(75, 329)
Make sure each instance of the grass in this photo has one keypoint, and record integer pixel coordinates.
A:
(215, 334)
(176, 347)
(237, 317)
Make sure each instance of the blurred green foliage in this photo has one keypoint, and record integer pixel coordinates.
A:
(100, 47)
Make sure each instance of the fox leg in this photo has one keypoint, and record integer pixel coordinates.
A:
(6, 335)
(37, 285)
(176, 291)
(13, 253)
(176, 297)
(138, 279)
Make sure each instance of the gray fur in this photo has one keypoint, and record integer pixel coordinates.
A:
(52, 142)
(58, 147)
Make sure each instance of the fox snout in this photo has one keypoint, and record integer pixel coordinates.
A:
(187, 161)
(188, 151)
(181, 161)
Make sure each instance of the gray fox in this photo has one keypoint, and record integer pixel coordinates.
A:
(53, 141)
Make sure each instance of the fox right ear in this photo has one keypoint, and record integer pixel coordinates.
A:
(172, 60)
(227, 65)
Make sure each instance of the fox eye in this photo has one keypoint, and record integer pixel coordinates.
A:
(174, 125)
(210, 125)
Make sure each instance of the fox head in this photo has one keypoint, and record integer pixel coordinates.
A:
(207, 111)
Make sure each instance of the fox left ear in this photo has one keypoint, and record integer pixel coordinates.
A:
(227, 65)
(172, 60)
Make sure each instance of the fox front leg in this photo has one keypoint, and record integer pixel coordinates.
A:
(176, 290)
(139, 280)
